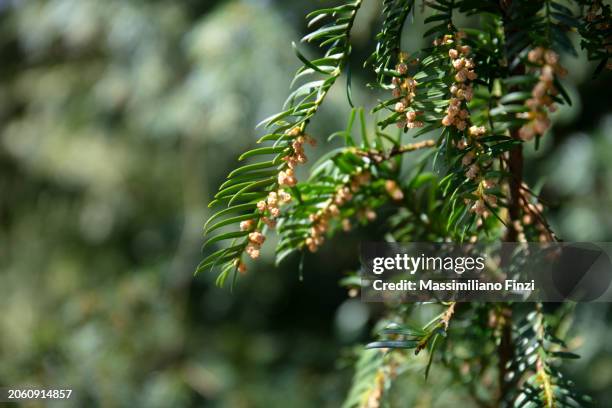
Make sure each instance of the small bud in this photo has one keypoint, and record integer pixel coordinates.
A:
(479, 207)
(295, 131)
(252, 251)
(291, 162)
(541, 125)
(461, 76)
(539, 90)
(458, 64)
(370, 215)
(269, 222)
(363, 177)
(283, 196)
(256, 238)
(532, 104)
(402, 68)
(334, 210)
(469, 94)
(551, 57)
(468, 158)
(312, 246)
(472, 172)
(240, 266)
(272, 199)
(477, 131)
(346, 225)
(488, 184)
(526, 132)
(534, 55)
(246, 225)
(286, 178)
(547, 73)
(394, 191)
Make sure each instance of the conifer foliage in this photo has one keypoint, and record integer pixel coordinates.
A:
(469, 101)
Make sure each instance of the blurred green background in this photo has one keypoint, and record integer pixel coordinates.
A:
(118, 120)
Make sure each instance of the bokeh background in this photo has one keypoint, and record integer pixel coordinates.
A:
(118, 120)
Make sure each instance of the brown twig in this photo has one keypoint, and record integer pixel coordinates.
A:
(379, 156)
(446, 317)
(514, 164)
(539, 218)
(515, 167)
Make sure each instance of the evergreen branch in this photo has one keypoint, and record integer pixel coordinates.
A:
(374, 372)
(287, 137)
(594, 28)
(378, 156)
(538, 351)
(337, 192)
(402, 336)
(388, 39)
